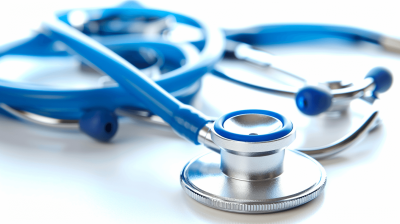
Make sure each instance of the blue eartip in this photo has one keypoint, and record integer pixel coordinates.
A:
(100, 124)
(383, 79)
(313, 100)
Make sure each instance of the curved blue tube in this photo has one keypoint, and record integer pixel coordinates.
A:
(186, 120)
(39, 45)
(293, 33)
(70, 104)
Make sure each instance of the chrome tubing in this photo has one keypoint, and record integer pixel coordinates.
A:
(41, 120)
(347, 141)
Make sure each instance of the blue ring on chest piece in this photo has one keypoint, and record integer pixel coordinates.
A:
(284, 129)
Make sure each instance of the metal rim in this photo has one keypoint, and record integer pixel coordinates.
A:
(253, 206)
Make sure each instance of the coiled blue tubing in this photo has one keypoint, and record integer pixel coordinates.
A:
(184, 119)
(69, 104)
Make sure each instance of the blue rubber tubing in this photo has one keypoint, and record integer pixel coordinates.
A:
(70, 104)
(184, 119)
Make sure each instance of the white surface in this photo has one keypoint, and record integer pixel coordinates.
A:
(53, 176)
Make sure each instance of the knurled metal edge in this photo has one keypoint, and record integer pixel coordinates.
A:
(252, 207)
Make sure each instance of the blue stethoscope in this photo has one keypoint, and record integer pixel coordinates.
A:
(251, 144)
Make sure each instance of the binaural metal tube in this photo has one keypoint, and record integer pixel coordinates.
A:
(39, 119)
(261, 58)
(345, 142)
(354, 90)
(248, 53)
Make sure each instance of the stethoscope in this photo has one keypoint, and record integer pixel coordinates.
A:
(250, 175)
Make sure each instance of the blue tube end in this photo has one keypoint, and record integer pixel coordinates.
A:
(383, 79)
(100, 124)
(313, 100)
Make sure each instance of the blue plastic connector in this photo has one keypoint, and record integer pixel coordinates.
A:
(100, 124)
(313, 100)
(383, 79)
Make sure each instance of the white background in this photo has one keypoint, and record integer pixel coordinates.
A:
(54, 176)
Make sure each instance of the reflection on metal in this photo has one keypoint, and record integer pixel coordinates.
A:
(252, 124)
(253, 177)
(204, 138)
(303, 180)
(390, 44)
(42, 120)
(352, 138)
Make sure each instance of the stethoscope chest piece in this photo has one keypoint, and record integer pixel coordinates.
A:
(254, 172)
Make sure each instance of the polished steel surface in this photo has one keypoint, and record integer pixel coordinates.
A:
(253, 177)
(252, 160)
(204, 137)
(252, 148)
(303, 180)
(338, 84)
(252, 124)
(39, 119)
(344, 93)
(252, 168)
(354, 90)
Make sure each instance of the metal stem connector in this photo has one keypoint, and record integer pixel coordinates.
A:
(390, 44)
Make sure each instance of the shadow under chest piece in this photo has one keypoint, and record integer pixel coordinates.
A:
(254, 172)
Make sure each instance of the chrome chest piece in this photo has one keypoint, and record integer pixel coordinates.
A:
(254, 172)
